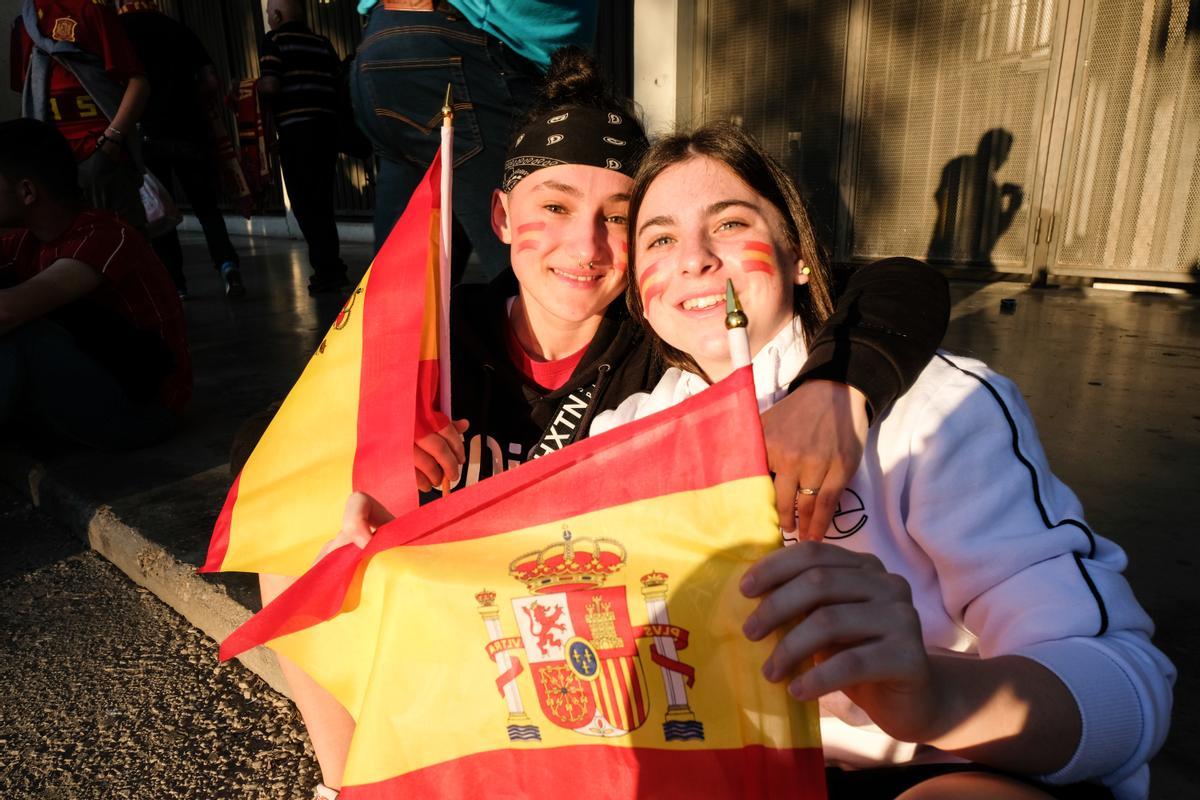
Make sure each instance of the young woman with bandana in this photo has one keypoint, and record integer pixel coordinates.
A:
(548, 344)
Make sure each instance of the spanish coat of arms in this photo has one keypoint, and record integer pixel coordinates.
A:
(581, 647)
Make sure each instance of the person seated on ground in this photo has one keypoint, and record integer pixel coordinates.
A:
(973, 620)
(549, 342)
(92, 340)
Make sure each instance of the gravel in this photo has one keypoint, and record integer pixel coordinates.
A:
(105, 692)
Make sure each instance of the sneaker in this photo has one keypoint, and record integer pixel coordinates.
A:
(233, 280)
(327, 284)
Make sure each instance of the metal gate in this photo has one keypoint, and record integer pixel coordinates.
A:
(1128, 199)
(1020, 136)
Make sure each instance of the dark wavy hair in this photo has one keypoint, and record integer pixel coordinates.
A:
(745, 157)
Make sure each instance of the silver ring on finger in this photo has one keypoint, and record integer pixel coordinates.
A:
(808, 492)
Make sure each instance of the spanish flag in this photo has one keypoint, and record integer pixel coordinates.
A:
(349, 422)
(571, 627)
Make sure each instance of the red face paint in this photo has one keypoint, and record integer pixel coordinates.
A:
(527, 236)
(621, 263)
(651, 284)
(758, 257)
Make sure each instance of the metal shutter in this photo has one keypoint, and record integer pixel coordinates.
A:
(952, 109)
(1130, 195)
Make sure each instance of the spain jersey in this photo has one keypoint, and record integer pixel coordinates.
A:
(93, 27)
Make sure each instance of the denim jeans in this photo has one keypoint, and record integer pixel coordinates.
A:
(401, 70)
(47, 380)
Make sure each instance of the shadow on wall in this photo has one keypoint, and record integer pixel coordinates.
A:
(973, 211)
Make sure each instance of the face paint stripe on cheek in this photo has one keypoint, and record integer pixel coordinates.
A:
(529, 243)
(652, 284)
(758, 257)
(529, 227)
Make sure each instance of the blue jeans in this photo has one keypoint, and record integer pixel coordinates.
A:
(47, 380)
(401, 70)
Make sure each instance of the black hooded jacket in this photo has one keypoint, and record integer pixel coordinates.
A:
(889, 321)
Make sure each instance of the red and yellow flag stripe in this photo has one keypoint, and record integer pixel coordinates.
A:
(348, 423)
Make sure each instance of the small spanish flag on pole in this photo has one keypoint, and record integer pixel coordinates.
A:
(571, 627)
(447, 240)
(378, 381)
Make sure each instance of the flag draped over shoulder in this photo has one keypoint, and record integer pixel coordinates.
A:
(574, 622)
(349, 422)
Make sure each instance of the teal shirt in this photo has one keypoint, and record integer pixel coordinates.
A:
(532, 28)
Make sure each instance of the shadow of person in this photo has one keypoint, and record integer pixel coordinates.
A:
(973, 211)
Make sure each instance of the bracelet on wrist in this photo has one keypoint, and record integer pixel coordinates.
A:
(113, 134)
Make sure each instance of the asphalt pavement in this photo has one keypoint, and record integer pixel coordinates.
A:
(105, 692)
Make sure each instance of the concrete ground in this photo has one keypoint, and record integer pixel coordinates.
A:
(1112, 379)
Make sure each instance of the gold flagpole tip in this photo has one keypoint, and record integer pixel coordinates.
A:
(448, 106)
(734, 316)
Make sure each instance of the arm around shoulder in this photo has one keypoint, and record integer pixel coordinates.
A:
(888, 323)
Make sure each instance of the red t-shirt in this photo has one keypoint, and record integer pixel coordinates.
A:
(136, 297)
(91, 27)
(549, 375)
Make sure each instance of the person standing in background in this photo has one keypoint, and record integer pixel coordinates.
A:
(78, 71)
(178, 137)
(299, 85)
(494, 56)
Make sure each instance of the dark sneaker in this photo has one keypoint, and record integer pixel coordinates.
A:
(327, 284)
(233, 280)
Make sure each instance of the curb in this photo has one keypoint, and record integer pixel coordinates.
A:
(205, 605)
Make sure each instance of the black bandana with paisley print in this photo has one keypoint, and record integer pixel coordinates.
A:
(593, 137)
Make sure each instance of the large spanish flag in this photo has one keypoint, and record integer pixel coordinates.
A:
(571, 627)
(349, 422)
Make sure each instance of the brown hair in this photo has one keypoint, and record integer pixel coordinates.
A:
(737, 150)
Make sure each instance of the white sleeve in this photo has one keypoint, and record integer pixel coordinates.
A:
(627, 411)
(1019, 567)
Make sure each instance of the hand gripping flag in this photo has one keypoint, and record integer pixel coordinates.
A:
(349, 422)
(574, 622)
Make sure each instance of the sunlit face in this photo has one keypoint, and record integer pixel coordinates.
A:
(567, 228)
(699, 225)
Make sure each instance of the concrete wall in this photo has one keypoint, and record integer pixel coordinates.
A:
(10, 102)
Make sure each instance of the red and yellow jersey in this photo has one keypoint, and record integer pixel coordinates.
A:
(92, 26)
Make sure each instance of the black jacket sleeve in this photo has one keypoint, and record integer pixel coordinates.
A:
(889, 322)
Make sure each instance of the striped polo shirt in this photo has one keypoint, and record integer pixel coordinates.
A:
(307, 67)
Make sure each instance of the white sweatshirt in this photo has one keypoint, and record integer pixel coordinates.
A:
(954, 493)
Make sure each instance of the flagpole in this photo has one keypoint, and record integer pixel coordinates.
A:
(735, 327)
(447, 220)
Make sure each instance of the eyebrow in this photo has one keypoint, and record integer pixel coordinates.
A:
(715, 208)
(558, 186)
(661, 219)
(566, 188)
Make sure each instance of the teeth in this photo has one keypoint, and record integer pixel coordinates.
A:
(702, 302)
(580, 278)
